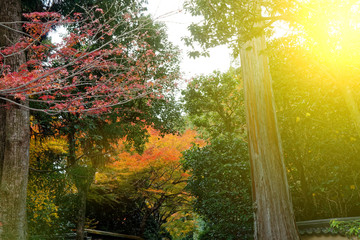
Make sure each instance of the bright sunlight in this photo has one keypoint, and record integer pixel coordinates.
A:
(334, 29)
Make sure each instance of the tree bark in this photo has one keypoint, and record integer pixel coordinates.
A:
(274, 217)
(80, 226)
(14, 140)
(143, 223)
(83, 177)
(83, 180)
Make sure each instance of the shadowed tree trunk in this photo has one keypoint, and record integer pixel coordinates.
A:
(80, 226)
(143, 223)
(149, 212)
(14, 140)
(83, 183)
(83, 177)
(274, 217)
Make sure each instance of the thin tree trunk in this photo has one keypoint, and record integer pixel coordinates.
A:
(149, 212)
(143, 223)
(80, 226)
(83, 182)
(14, 140)
(83, 177)
(274, 217)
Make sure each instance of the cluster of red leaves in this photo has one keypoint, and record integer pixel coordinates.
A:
(89, 71)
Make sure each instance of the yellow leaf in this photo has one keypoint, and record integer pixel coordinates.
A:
(297, 119)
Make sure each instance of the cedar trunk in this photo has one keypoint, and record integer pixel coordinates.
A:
(274, 217)
(14, 140)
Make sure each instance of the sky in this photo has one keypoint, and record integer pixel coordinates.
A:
(177, 20)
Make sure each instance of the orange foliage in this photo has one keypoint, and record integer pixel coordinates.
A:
(158, 151)
(156, 175)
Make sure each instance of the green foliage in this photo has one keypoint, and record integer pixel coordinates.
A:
(234, 22)
(319, 137)
(215, 104)
(350, 228)
(220, 176)
(315, 72)
(117, 210)
(220, 181)
(118, 205)
(48, 189)
(223, 20)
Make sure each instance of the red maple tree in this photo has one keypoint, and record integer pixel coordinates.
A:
(89, 71)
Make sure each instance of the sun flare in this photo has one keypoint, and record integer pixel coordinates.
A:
(333, 27)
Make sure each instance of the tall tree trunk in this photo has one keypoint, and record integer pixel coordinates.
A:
(83, 176)
(14, 140)
(83, 190)
(274, 217)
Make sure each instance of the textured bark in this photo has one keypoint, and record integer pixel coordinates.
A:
(14, 175)
(83, 182)
(83, 178)
(80, 226)
(14, 141)
(274, 217)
